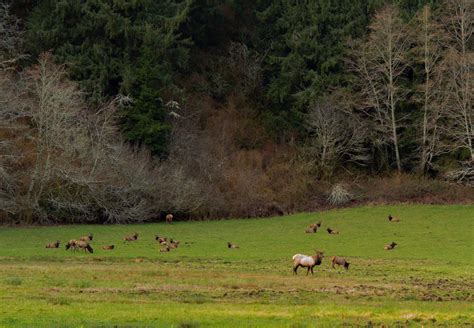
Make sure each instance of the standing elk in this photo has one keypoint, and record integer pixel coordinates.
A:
(307, 261)
(169, 218)
(72, 244)
(340, 261)
(84, 245)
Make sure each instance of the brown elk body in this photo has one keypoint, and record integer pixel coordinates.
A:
(84, 245)
(340, 261)
(169, 218)
(87, 238)
(332, 231)
(53, 245)
(172, 246)
(312, 228)
(393, 219)
(133, 237)
(108, 247)
(390, 246)
(161, 240)
(174, 243)
(232, 245)
(72, 244)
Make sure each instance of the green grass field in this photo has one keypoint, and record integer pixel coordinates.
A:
(426, 281)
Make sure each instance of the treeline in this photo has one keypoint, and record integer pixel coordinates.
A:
(230, 108)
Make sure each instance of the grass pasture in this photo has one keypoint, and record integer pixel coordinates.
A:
(426, 281)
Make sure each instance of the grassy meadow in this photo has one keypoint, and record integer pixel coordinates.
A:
(427, 280)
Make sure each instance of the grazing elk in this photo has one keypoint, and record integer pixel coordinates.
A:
(108, 247)
(307, 261)
(133, 237)
(87, 238)
(53, 245)
(332, 231)
(84, 245)
(232, 245)
(393, 219)
(165, 249)
(161, 240)
(72, 244)
(312, 228)
(340, 261)
(169, 218)
(390, 246)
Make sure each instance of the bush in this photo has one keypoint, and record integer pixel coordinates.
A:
(339, 195)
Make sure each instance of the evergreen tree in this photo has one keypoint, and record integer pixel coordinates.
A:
(129, 47)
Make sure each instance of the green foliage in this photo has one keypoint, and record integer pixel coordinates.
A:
(306, 53)
(111, 47)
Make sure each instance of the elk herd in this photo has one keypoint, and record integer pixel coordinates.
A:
(309, 262)
(168, 244)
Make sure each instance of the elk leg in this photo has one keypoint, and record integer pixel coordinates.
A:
(295, 269)
(307, 272)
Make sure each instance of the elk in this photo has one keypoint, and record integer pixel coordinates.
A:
(332, 231)
(84, 245)
(393, 219)
(340, 261)
(53, 245)
(390, 246)
(307, 261)
(169, 218)
(133, 237)
(108, 247)
(161, 240)
(72, 244)
(312, 228)
(87, 238)
(232, 245)
(174, 243)
(165, 249)
(172, 246)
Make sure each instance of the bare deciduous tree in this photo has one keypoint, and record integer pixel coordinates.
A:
(458, 68)
(429, 42)
(75, 166)
(10, 37)
(380, 63)
(337, 137)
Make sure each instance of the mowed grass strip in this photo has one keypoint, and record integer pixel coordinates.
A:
(427, 280)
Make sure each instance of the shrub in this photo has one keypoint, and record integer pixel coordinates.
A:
(339, 195)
